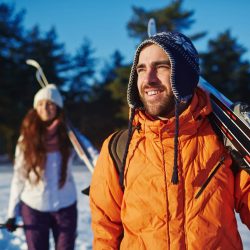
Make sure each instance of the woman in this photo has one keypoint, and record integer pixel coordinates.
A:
(43, 189)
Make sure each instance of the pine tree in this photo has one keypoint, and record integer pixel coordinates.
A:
(82, 74)
(223, 65)
(11, 38)
(170, 18)
(18, 83)
(104, 106)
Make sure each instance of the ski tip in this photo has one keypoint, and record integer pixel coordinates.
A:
(33, 63)
(151, 27)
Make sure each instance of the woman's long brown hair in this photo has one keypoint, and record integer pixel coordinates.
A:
(33, 131)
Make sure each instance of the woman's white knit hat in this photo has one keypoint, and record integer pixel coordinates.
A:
(51, 93)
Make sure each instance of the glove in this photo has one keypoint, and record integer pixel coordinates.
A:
(11, 225)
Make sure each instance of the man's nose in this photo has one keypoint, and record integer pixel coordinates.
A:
(151, 76)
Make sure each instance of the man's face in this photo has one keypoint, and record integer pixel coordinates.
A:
(153, 70)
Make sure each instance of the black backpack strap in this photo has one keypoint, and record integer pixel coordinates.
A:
(116, 148)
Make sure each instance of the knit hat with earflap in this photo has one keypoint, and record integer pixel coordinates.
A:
(184, 66)
(51, 93)
(184, 78)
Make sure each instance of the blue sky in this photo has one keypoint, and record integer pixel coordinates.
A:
(103, 22)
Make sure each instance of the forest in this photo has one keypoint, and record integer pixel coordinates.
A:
(98, 106)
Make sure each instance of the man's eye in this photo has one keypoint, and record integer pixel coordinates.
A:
(139, 70)
(166, 66)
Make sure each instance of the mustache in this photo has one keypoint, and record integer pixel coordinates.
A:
(153, 84)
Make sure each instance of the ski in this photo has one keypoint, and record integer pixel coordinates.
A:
(234, 127)
(73, 134)
(79, 146)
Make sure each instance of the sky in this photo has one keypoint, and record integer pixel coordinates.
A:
(103, 22)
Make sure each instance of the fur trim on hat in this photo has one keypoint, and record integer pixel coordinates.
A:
(184, 61)
(51, 93)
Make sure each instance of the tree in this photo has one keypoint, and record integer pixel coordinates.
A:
(103, 109)
(11, 38)
(108, 73)
(224, 67)
(118, 90)
(82, 73)
(48, 52)
(18, 83)
(170, 18)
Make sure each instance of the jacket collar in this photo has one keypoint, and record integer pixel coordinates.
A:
(189, 121)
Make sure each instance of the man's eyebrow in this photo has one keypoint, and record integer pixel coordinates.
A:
(141, 65)
(156, 63)
(167, 62)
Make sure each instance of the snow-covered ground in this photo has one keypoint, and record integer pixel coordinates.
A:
(16, 240)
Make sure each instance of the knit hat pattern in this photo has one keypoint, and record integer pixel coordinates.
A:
(51, 93)
(184, 61)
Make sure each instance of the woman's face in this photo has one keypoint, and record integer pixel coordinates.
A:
(46, 110)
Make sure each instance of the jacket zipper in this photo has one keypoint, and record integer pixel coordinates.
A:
(210, 177)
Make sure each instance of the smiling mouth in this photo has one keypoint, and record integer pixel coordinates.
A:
(153, 92)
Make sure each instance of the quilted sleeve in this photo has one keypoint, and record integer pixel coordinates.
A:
(242, 193)
(105, 203)
(17, 184)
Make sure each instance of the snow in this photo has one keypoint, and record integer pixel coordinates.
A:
(16, 241)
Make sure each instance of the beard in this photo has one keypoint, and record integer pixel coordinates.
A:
(162, 107)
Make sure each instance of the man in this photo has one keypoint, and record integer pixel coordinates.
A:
(163, 202)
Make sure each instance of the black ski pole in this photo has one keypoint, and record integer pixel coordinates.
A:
(3, 226)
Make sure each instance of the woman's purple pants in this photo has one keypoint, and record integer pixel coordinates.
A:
(37, 225)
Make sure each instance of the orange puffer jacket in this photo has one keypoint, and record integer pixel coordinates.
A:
(153, 213)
